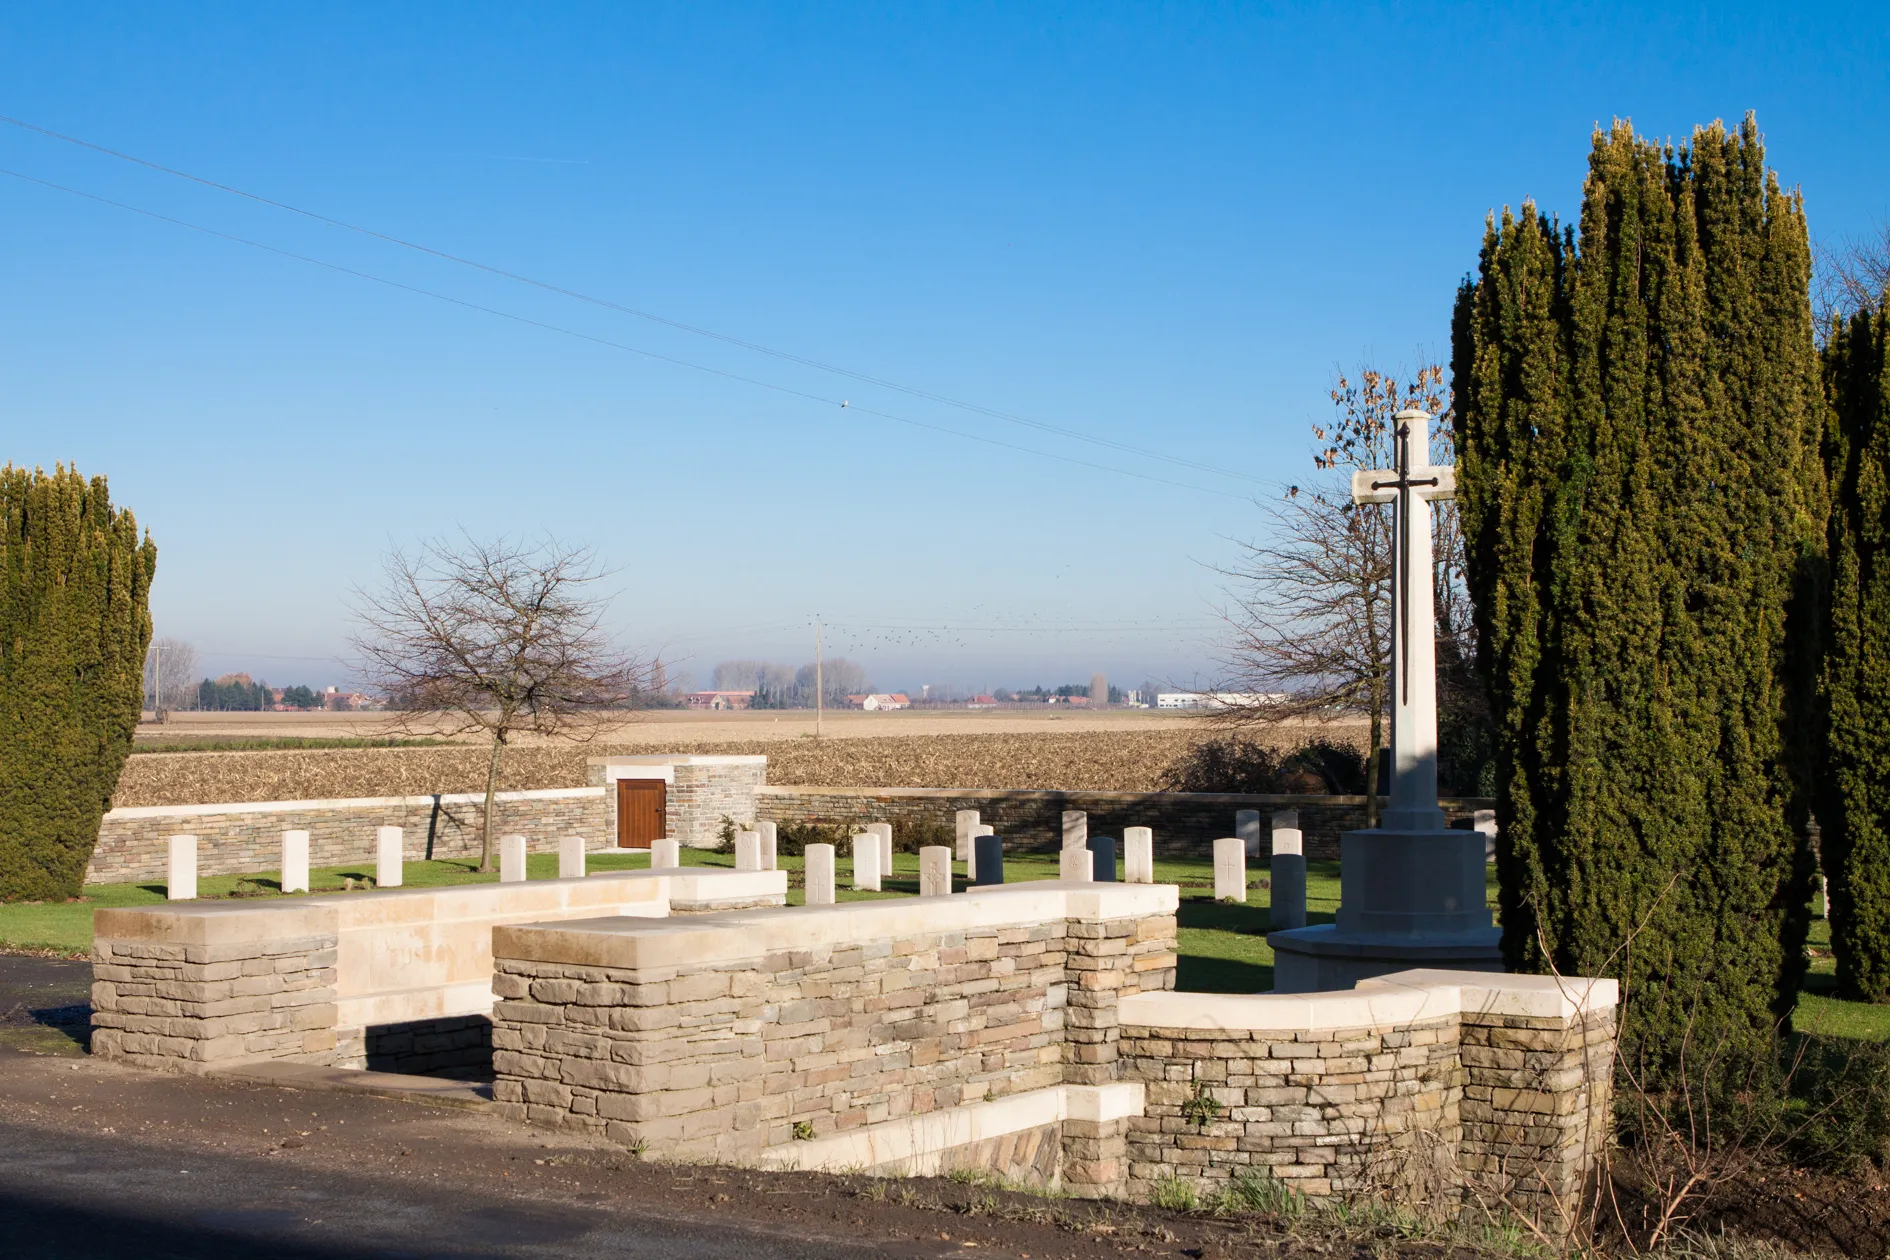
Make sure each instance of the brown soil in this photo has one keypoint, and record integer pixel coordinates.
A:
(1128, 760)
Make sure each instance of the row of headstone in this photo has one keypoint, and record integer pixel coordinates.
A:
(180, 880)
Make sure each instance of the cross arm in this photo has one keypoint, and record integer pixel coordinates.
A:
(1381, 485)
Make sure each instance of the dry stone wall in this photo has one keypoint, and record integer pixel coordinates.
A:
(1185, 823)
(247, 837)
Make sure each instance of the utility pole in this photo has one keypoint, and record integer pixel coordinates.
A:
(820, 689)
(157, 685)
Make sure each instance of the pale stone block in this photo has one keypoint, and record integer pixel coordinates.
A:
(1230, 869)
(971, 849)
(388, 856)
(748, 851)
(1287, 878)
(965, 825)
(1075, 829)
(884, 832)
(665, 854)
(865, 861)
(571, 857)
(511, 859)
(1484, 820)
(1247, 827)
(294, 861)
(180, 874)
(1139, 855)
(770, 842)
(1076, 866)
(1287, 837)
(819, 873)
(935, 871)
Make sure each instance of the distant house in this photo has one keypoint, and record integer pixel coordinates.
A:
(881, 702)
(1218, 699)
(720, 699)
(982, 702)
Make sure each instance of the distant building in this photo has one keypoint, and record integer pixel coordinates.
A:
(881, 702)
(1218, 699)
(982, 702)
(720, 699)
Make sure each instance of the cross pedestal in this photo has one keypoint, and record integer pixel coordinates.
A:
(1411, 890)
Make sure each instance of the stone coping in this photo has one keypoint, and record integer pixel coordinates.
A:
(738, 935)
(348, 802)
(679, 759)
(231, 922)
(920, 1143)
(1403, 998)
(1055, 794)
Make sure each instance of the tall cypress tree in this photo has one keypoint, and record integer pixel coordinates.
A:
(75, 621)
(1855, 808)
(1639, 412)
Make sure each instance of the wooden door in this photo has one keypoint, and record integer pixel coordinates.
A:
(642, 816)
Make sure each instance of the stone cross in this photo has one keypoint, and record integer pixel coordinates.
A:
(1410, 487)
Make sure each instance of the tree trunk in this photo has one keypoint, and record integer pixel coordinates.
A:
(492, 783)
(1371, 757)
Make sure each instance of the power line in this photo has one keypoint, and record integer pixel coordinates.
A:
(607, 304)
(605, 341)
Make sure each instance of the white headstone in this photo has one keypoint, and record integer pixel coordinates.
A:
(389, 856)
(1484, 820)
(770, 839)
(971, 861)
(1076, 866)
(294, 861)
(1139, 854)
(819, 874)
(665, 854)
(511, 859)
(571, 858)
(965, 826)
(748, 850)
(1075, 829)
(884, 831)
(935, 871)
(865, 861)
(1247, 827)
(1230, 869)
(1287, 839)
(180, 868)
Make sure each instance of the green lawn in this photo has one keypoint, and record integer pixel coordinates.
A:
(1223, 947)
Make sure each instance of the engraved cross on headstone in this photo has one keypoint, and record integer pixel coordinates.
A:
(1410, 487)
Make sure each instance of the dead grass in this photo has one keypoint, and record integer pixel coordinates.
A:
(1128, 761)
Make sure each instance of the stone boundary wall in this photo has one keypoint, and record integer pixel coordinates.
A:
(245, 837)
(399, 977)
(1185, 823)
(737, 1035)
(1421, 1087)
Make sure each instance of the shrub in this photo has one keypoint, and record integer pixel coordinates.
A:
(910, 837)
(1241, 765)
(792, 838)
(75, 620)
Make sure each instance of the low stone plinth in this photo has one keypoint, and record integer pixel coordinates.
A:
(398, 979)
(740, 1036)
(1417, 1088)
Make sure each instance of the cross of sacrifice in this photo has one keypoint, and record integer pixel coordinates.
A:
(1411, 486)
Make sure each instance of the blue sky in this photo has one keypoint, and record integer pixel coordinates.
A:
(1159, 226)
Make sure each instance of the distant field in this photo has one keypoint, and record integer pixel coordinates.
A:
(1028, 752)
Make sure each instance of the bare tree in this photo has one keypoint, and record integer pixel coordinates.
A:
(1852, 276)
(170, 675)
(1311, 604)
(501, 637)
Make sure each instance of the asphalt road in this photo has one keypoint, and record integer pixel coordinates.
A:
(70, 1195)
